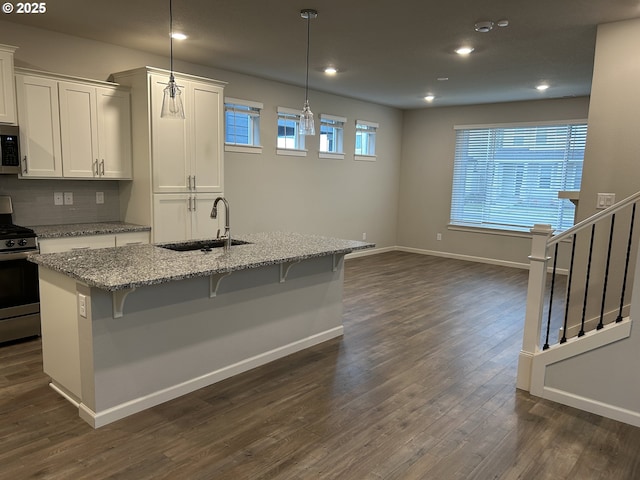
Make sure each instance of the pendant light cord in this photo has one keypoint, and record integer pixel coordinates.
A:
(306, 83)
(171, 35)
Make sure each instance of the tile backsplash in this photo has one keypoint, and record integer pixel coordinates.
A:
(33, 200)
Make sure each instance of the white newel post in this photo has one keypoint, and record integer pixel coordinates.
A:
(535, 303)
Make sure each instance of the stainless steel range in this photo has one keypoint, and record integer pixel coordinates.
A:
(19, 293)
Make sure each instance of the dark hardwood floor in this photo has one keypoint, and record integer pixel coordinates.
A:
(421, 386)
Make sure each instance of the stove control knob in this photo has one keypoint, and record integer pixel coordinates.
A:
(22, 242)
(9, 243)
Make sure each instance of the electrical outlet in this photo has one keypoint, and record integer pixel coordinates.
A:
(68, 198)
(438, 236)
(58, 199)
(82, 305)
(99, 198)
(364, 235)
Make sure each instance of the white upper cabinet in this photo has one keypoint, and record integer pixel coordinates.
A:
(7, 89)
(79, 130)
(73, 129)
(39, 116)
(187, 154)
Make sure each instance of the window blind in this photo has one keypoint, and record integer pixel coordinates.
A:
(509, 177)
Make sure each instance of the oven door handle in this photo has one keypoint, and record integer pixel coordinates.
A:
(15, 255)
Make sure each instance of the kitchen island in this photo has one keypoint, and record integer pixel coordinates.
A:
(127, 328)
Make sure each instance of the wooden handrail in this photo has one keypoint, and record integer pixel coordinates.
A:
(594, 218)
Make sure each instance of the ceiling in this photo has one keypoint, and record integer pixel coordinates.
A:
(386, 52)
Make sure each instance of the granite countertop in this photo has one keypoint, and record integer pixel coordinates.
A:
(83, 229)
(119, 268)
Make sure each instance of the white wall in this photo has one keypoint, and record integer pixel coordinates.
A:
(427, 173)
(342, 198)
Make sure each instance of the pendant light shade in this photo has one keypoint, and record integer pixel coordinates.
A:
(172, 99)
(307, 125)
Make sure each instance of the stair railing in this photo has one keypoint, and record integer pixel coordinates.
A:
(540, 298)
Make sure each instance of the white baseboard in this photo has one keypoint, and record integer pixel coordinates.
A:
(369, 251)
(468, 258)
(99, 419)
(604, 409)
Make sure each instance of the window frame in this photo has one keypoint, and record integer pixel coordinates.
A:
(290, 115)
(336, 123)
(535, 157)
(254, 113)
(370, 129)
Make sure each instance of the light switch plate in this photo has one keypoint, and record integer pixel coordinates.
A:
(605, 200)
(68, 198)
(82, 305)
(99, 198)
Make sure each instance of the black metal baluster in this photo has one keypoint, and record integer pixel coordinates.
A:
(553, 282)
(586, 285)
(626, 265)
(606, 274)
(566, 307)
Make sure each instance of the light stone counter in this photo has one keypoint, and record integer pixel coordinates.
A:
(114, 269)
(84, 229)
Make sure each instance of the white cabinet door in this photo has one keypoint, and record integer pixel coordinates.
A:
(171, 217)
(202, 225)
(7, 87)
(206, 106)
(114, 133)
(79, 130)
(39, 119)
(83, 242)
(131, 238)
(171, 171)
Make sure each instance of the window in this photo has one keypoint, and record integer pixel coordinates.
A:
(509, 177)
(365, 139)
(289, 141)
(242, 124)
(331, 135)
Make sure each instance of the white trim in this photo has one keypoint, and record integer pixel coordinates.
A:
(147, 401)
(292, 152)
(234, 147)
(365, 158)
(289, 111)
(578, 121)
(335, 118)
(369, 251)
(589, 405)
(490, 231)
(246, 103)
(368, 123)
(334, 156)
(468, 258)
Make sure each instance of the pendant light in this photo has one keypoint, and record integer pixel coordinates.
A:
(307, 126)
(172, 99)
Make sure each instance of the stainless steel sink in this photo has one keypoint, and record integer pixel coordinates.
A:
(204, 245)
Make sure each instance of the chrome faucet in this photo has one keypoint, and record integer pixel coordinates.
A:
(227, 227)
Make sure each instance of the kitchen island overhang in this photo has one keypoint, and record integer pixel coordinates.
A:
(128, 328)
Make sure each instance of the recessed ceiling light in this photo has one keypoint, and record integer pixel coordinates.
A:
(330, 70)
(464, 50)
(178, 36)
(542, 87)
(429, 98)
(442, 79)
(503, 23)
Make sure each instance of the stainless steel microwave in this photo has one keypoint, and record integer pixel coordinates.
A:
(9, 149)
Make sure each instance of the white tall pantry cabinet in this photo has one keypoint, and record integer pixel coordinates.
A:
(7, 89)
(177, 164)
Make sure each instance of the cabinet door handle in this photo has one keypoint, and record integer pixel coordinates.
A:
(194, 184)
(102, 167)
(189, 204)
(96, 167)
(195, 205)
(189, 184)
(80, 248)
(25, 167)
